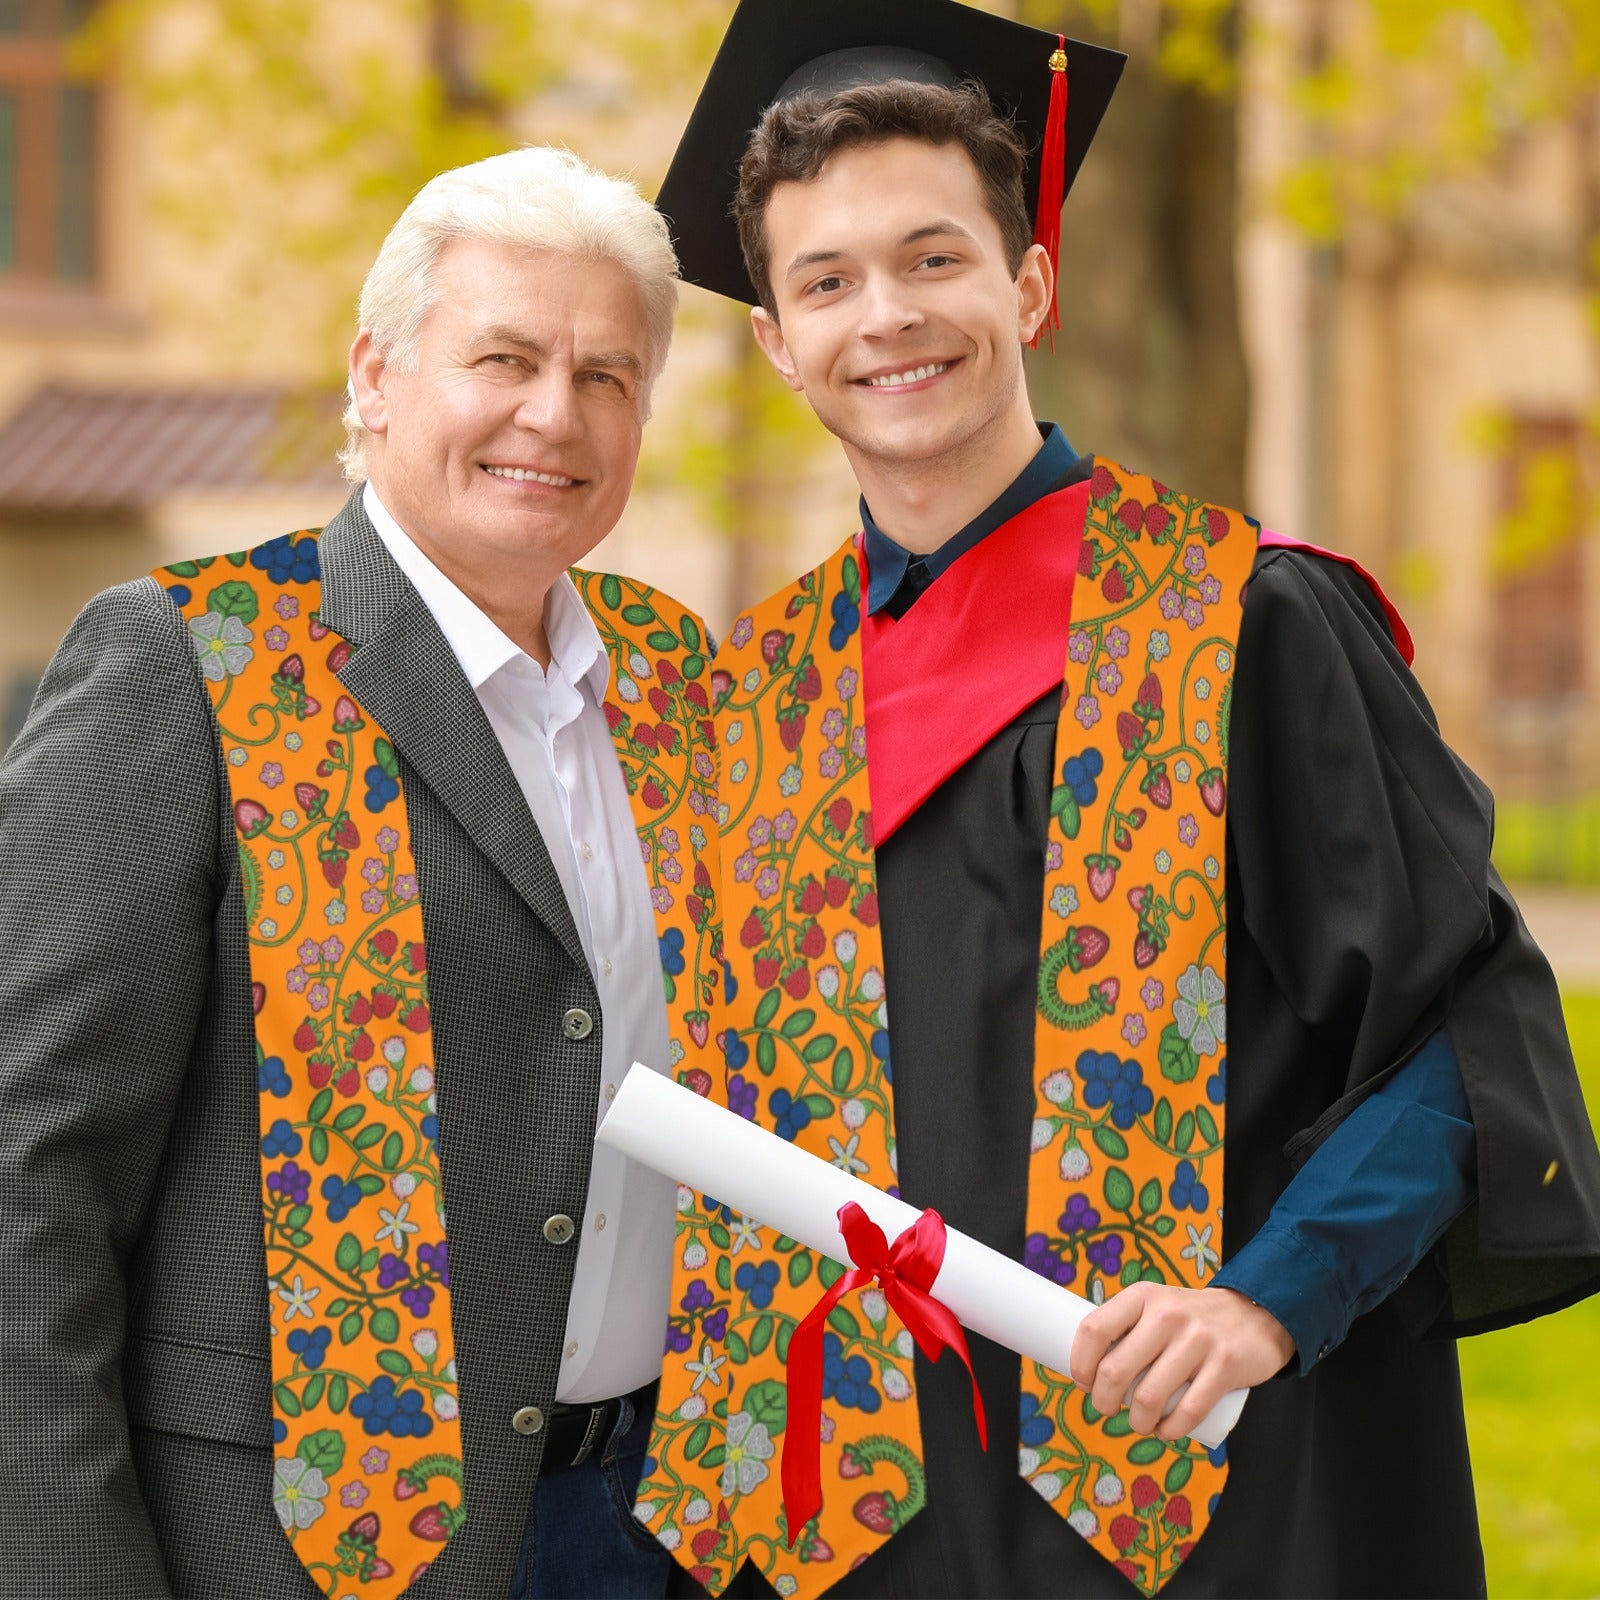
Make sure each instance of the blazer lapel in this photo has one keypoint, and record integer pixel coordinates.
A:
(403, 672)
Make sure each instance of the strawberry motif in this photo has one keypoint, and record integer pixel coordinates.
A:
(318, 1072)
(753, 931)
(416, 1019)
(809, 684)
(812, 941)
(695, 694)
(1157, 786)
(310, 798)
(1088, 558)
(1157, 522)
(339, 655)
(798, 983)
(1102, 874)
(1130, 733)
(1130, 514)
(305, 1037)
(774, 645)
(766, 973)
(292, 668)
(250, 817)
(699, 1024)
(615, 716)
(667, 673)
(875, 1511)
(836, 889)
(346, 718)
(361, 1046)
(660, 701)
(867, 908)
(1085, 947)
(1213, 790)
(347, 1082)
(384, 1002)
(1216, 525)
(1145, 949)
(792, 728)
(812, 898)
(698, 1079)
(652, 795)
(1149, 698)
(1114, 585)
(839, 813)
(385, 942)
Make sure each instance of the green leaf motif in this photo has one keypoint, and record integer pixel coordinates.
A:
(1178, 1061)
(844, 1069)
(236, 598)
(766, 1054)
(850, 573)
(183, 569)
(843, 1323)
(384, 751)
(319, 1145)
(720, 1236)
(1163, 1226)
(311, 1395)
(761, 1335)
(349, 1117)
(768, 1402)
(1130, 1274)
(1207, 1124)
(690, 631)
(698, 1439)
(370, 1135)
(829, 1272)
(319, 1106)
(1184, 1137)
(799, 1267)
(638, 615)
(394, 1363)
(1163, 1121)
(1178, 1474)
(1118, 1189)
(1111, 1142)
(1150, 1197)
(1117, 1427)
(738, 1350)
(798, 1022)
(286, 1399)
(819, 1049)
(338, 1394)
(385, 1325)
(768, 1008)
(1146, 1451)
(350, 1328)
(610, 591)
(347, 1253)
(393, 1149)
(724, 1273)
(661, 639)
(713, 1458)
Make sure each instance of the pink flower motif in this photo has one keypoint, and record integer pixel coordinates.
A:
(1109, 678)
(1079, 645)
(405, 886)
(1152, 994)
(830, 761)
(332, 948)
(1194, 561)
(287, 606)
(1171, 603)
(858, 743)
(669, 840)
(372, 900)
(827, 1428)
(353, 1494)
(1088, 712)
(388, 840)
(310, 952)
(296, 980)
(375, 1460)
(1188, 828)
(846, 684)
(833, 723)
(1133, 1029)
(373, 870)
(760, 832)
(275, 638)
(271, 774)
(1052, 856)
(784, 824)
(702, 764)
(671, 870)
(318, 997)
(743, 631)
(1117, 643)
(1193, 613)
(744, 867)
(661, 899)
(1211, 591)
(767, 883)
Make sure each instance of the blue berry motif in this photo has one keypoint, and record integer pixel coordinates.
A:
(1119, 1084)
(280, 1140)
(846, 619)
(342, 1197)
(758, 1282)
(383, 1411)
(272, 1077)
(285, 561)
(1036, 1427)
(1186, 1190)
(735, 1049)
(311, 1345)
(847, 1381)
(790, 1115)
(1217, 1083)
(382, 789)
(1078, 774)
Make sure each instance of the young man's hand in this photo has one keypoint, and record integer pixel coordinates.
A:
(1212, 1339)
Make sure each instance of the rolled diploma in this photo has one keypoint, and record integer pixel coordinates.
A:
(676, 1132)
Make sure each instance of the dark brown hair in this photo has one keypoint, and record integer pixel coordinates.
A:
(796, 137)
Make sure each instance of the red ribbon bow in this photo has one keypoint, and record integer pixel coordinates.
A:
(905, 1271)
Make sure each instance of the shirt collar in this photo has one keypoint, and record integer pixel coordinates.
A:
(476, 640)
(888, 562)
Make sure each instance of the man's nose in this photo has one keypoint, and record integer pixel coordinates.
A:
(887, 307)
(549, 405)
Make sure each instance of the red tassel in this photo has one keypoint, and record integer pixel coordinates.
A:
(1052, 182)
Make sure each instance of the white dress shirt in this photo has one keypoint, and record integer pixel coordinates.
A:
(550, 724)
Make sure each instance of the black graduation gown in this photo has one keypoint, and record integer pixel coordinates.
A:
(1363, 912)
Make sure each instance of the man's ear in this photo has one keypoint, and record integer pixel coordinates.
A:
(367, 372)
(774, 347)
(1036, 282)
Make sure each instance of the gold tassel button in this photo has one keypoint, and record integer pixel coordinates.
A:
(1058, 62)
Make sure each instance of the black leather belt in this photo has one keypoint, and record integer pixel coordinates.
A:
(576, 1433)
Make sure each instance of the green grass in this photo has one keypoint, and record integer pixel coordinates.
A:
(1548, 841)
(1533, 1416)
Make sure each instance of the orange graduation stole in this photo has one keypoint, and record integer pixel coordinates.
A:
(1126, 1162)
(367, 1476)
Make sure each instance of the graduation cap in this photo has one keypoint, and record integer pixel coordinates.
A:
(1055, 91)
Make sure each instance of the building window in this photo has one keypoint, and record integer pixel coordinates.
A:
(1538, 567)
(48, 137)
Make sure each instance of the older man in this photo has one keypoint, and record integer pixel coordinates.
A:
(340, 878)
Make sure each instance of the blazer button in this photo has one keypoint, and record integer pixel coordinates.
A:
(530, 1419)
(559, 1229)
(577, 1024)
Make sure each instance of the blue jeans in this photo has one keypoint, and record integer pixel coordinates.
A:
(581, 1541)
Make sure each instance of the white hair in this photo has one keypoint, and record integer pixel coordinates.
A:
(537, 197)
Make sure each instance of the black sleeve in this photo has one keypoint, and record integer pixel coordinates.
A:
(1360, 849)
(108, 872)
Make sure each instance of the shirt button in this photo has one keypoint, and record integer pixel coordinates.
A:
(600, 1222)
(611, 1091)
(605, 967)
(559, 1229)
(577, 1024)
(588, 850)
(530, 1419)
(572, 1349)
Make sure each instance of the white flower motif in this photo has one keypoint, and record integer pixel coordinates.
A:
(1181, 770)
(1199, 1251)
(734, 732)
(1058, 1088)
(693, 1408)
(896, 1384)
(875, 1306)
(1047, 1485)
(1199, 1010)
(237, 758)
(844, 1155)
(844, 946)
(787, 1584)
(421, 1080)
(904, 1344)
(298, 1488)
(1202, 688)
(395, 1226)
(403, 1184)
(1108, 1490)
(1027, 1461)
(426, 1343)
(394, 1051)
(1202, 732)
(222, 645)
(297, 1299)
(668, 1538)
(377, 1079)
(744, 1232)
(685, 1201)
(1074, 1162)
(1212, 866)
(694, 1255)
(749, 1449)
(1084, 1522)
(1224, 660)
(737, 773)
(698, 1510)
(871, 986)
(446, 1407)
(752, 680)
(708, 1369)
(828, 981)
(1043, 1133)
(854, 1113)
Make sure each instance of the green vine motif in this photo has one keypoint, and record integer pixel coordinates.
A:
(880, 1509)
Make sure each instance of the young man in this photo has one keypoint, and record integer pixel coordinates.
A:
(323, 916)
(1044, 912)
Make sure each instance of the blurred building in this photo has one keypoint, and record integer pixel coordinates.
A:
(1423, 394)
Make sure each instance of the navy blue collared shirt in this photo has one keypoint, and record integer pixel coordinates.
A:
(1379, 1192)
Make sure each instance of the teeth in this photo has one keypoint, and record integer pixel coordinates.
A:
(913, 375)
(518, 475)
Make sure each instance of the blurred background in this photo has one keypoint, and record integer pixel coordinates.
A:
(1334, 261)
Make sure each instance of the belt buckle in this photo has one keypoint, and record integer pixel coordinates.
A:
(590, 1435)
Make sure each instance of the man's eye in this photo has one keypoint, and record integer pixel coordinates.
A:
(826, 285)
(606, 377)
(938, 261)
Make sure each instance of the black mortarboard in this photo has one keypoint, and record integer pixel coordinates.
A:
(777, 48)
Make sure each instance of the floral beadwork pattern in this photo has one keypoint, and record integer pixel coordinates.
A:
(1131, 1037)
(366, 1411)
(805, 1051)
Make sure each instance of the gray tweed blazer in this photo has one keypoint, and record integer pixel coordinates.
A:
(135, 1455)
